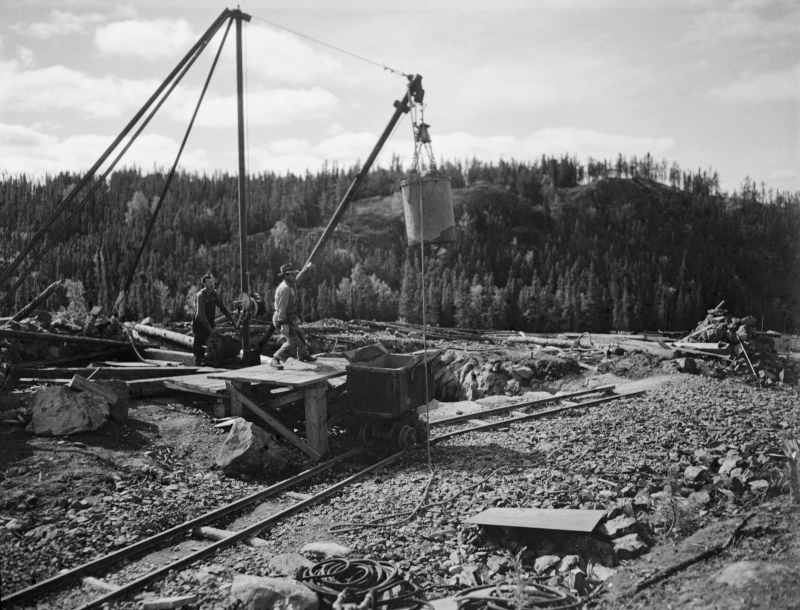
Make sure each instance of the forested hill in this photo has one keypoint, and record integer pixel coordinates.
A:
(546, 246)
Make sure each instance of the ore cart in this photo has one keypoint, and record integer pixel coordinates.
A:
(384, 394)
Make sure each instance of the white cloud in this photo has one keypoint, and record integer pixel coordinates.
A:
(34, 153)
(584, 143)
(346, 149)
(26, 56)
(60, 23)
(751, 87)
(149, 40)
(275, 55)
(264, 108)
(61, 88)
(744, 21)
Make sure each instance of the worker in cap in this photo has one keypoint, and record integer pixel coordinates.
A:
(286, 319)
(205, 310)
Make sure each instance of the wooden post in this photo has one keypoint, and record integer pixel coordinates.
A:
(237, 408)
(273, 423)
(316, 418)
(245, 282)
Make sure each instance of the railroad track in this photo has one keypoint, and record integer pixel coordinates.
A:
(37, 590)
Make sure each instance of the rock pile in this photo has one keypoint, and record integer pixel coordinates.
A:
(20, 347)
(752, 351)
(461, 375)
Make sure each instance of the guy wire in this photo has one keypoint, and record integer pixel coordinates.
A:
(330, 46)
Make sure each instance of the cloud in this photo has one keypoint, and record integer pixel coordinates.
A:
(61, 88)
(743, 21)
(34, 153)
(782, 85)
(264, 108)
(275, 55)
(299, 155)
(60, 23)
(149, 40)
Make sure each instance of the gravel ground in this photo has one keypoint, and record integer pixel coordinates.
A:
(62, 508)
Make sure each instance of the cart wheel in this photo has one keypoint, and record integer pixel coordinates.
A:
(407, 438)
(422, 431)
(366, 435)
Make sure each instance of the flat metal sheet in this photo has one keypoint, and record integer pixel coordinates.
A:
(540, 518)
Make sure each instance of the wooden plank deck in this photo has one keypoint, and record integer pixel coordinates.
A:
(292, 376)
(199, 384)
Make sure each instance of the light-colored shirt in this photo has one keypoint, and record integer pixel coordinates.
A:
(286, 302)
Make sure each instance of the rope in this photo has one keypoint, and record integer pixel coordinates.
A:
(416, 163)
(361, 583)
(330, 46)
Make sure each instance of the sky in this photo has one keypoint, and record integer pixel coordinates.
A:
(709, 84)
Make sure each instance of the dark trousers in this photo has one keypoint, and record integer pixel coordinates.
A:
(201, 335)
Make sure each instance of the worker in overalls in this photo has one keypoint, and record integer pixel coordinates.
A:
(286, 319)
(205, 310)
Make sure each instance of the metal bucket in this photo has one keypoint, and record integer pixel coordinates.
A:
(437, 224)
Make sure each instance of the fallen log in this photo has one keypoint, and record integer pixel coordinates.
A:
(106, 372)
(565, 343)
(24, 335)
(104, 353)
(43, 296)
(186, 341)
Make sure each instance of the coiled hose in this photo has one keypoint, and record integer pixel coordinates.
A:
(345, 584)
(516, 597)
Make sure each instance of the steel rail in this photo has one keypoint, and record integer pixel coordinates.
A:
(257, 527)
(518, 405)
(248, 532)
(138, 547)
(537, 415)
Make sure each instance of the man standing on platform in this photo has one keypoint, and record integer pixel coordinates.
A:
(286, 319)
(205, 310)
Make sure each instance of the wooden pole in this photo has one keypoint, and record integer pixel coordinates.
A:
(245, 283)
(43, 296)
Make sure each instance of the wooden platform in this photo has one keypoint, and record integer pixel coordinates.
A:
(199, 384)
(308, 382)
(294, 375)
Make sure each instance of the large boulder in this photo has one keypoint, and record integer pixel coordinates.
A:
(119, 411)
(262, 593)
(58, 411)
(248, 449)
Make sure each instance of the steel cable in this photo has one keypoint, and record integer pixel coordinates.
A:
(339, 581)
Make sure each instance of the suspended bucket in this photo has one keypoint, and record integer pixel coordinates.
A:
(437, 225)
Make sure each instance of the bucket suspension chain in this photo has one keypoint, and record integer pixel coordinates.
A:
(422, 138)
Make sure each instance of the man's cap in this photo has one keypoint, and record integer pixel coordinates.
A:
(288, 268)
